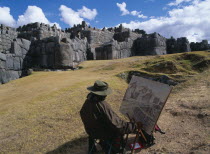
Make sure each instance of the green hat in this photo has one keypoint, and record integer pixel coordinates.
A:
(100, 88)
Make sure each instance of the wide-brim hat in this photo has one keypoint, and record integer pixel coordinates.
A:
(100, 88)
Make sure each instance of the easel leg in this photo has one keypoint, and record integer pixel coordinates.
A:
(137, 136)
(142, 135)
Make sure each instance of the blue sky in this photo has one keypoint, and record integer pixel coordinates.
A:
(190, 18)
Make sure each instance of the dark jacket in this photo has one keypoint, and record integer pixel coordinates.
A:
(101, 122)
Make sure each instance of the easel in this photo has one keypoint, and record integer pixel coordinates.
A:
(137, 134)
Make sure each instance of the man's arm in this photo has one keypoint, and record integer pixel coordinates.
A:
(113, 120)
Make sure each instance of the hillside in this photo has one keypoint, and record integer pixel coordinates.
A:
(40, 113)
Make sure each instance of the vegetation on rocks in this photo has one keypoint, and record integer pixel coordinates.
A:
(178, 67)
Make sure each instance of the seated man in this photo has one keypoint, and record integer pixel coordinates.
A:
(100, 121)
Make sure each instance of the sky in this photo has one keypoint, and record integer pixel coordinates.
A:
(177, 18)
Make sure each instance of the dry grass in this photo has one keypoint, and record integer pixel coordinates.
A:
(40, 113)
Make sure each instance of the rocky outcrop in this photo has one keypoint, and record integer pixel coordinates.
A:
(200, 46)
(151, 44)
(178, 45)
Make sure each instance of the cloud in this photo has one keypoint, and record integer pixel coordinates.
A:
(71, 17)
(33, 14)
(178, 2)
(6, 18)
(87, 13)
(123, 8)
(124, 11)
(191, 21)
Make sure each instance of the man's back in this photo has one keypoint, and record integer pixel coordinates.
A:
(93, 117)
(101, 121)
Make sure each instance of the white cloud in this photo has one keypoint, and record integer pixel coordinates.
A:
(33, 14)
(124, 11)
(178, 2)
(71, 17)
(191, 21)
(123, 8)
(87, 13)
(6, 18)
(142, 16)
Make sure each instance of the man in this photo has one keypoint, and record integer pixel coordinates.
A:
(100, 121)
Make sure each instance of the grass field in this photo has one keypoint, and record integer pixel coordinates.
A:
(40, 113)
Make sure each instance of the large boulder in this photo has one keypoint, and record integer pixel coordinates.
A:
(64, 56)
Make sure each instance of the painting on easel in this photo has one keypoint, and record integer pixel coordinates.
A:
(144, 101)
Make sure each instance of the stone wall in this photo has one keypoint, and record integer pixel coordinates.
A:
(98, 36)
(114, 50)
(7, 34)
(55, 53)
(200, 46)
(39, 45)
(39, 31)
(150, 44)
(123, 36)
(178, 45)
(71, 52)
(12, 64)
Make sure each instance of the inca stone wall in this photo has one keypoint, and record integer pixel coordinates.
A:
(12, 63)
(56, 53)
(39, 45)
(7, 34)
(119, 47)
(114, 50)
(39, 31)
(178, 45)
(200, 46)
(151, 44)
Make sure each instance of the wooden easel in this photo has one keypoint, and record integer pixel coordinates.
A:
(137, 134)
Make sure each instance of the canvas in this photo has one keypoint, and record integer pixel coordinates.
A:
(144, 101)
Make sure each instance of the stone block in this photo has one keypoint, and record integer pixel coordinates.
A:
(44, 60)
(2, 64)
(13, 75)
(17, 65)
(50, 47)
(26, 44)
(3, 76)
(64, 56)
(16, 49)
(24, 51)
(10, 61)
(2, 57)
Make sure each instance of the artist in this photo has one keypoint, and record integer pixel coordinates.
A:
(100, 121)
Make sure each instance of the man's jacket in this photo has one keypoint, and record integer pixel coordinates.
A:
(101, 122)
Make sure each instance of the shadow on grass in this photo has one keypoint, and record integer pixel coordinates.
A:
(66, 147)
